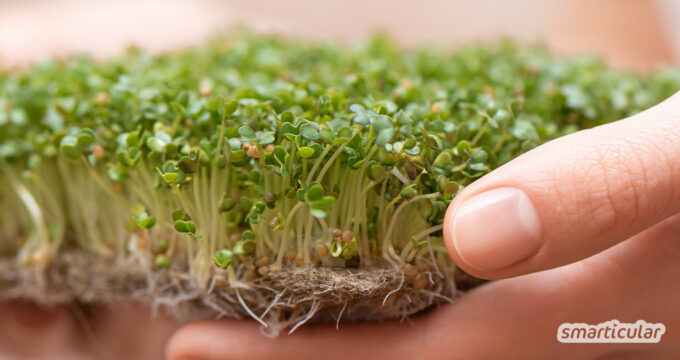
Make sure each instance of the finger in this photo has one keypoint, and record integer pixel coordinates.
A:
(127, 331)
(233, 339)
(570, 198)
(510, 319)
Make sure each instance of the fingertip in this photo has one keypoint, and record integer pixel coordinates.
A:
(178, 348)
(450, 241)
(189, 342)
(448, 234)
(239, 339)
(211, 339)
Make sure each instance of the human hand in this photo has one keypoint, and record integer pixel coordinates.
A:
(598, 210)
(119, 331)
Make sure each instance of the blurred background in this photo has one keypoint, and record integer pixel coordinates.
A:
(631, 34)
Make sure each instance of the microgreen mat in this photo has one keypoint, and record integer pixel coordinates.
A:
(271, 177)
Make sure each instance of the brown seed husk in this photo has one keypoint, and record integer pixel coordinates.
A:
(290, 255)
(321, 250)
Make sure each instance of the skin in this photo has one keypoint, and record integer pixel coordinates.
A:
(118, 331)
(633, 274)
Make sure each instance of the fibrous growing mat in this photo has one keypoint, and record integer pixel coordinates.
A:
(272, 178)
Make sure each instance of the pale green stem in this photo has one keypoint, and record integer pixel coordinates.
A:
(387, 244)
(407, 249)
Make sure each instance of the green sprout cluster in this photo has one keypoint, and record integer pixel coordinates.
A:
(252, 154)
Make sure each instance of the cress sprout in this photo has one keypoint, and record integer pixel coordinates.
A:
(251, 160)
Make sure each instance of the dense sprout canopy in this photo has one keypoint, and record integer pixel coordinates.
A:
(472, 94)
(251, 154)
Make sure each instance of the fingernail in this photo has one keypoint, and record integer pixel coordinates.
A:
(496, 229)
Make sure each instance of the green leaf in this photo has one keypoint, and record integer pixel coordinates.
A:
(131, 139)
(349, 249)
(327, 134)
(523, 129)
(403, 118)
(69, 147)
(259, 206)
(280, 154)
(230, 107)
(180, 215)
(376, 172)
(362, 116)
(478, 167)
(244, 247)
(309, 132)
(408, 192)
(144, 221)
(344, 132)
(410, 143)
(189, 164)
(116, 174)
(156, 144)
(317, 213)
(384, 136)
(185, 227)
(382, 123)
(418, 244)
(443, 160)
(266, 139)
(222, 258)
(479, 156)
(163, 261)
(226, 203)
(287, 117)
(447, 187)
(247, 133)
(306, 152)
(288, 128)
(239, 158)
(502, 116)
(463, 148)
(324, 203)
(314, 193)
(248, 235)
(84, 140)
(129, 157)
(169, 177)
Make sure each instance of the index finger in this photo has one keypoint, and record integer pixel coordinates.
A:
(570, 198)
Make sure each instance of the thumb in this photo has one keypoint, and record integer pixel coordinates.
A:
(570, 198)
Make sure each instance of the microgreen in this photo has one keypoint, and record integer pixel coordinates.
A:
(163, 261)
(332, 156)
(222, 258)
(145, 221)
(183, 224)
